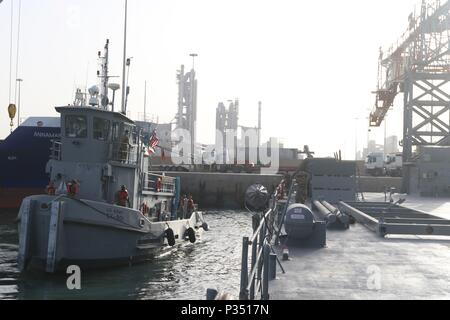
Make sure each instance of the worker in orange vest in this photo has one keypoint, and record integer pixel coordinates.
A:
(72, 188)
(280, 191)
(123, 198)
(51, 188)
(183, 207)
(190, 206)
(158, 185)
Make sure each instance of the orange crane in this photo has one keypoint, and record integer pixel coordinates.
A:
(418, 65)
(420, 49)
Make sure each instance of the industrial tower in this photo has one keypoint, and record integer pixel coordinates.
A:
(418, 65)
(187, 104)
(227, 120)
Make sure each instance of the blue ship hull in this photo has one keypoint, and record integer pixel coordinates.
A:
(23, 158)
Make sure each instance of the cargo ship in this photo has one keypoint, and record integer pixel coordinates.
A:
(23, 157)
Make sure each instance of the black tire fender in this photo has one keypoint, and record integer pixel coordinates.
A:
(190, 234)
(170, 236)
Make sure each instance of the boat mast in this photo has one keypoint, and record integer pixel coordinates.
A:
(124, 89)
(104, 76)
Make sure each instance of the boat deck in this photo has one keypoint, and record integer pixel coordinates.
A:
(358, 264)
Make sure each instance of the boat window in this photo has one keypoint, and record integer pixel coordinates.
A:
(101, 129)
(76, 127)
(116, 131)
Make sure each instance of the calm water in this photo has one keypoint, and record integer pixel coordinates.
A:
(184, 273)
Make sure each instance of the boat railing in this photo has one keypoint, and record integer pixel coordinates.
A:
(165, 185)
(262, 257)
(55, 150)
(125, 153)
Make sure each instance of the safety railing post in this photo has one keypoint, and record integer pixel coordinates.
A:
(291, 190)
(253, 281)
(243, 295)
(260, 247)
(265, 281)
(256, 221)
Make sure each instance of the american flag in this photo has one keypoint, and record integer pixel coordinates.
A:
(153, 143)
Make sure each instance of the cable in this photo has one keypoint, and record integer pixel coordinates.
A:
(17, 53)
(11, 50)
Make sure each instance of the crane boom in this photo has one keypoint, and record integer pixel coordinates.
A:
(422, 48)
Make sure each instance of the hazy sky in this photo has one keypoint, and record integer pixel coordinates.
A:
(313, 64)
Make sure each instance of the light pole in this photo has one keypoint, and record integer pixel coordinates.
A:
(385, 135)
(356, 139)
(193, 55)
(18, 102)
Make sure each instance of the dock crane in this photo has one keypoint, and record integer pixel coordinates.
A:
(418, 65)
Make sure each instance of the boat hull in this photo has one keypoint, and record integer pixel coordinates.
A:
(11, 198)
(56, 232)
(23, 157)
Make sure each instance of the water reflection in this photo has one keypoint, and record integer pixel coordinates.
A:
(184, 272)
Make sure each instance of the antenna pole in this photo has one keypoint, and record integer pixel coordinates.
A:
(124, 88)
(145, 102)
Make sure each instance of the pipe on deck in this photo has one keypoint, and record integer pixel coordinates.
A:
(325, 214)
(343, 218)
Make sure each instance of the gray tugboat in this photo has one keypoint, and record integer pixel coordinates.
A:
(84, 219)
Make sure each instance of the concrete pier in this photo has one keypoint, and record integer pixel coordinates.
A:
(222, 190)
(227, 190)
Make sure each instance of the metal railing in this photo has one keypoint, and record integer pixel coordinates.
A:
(55, 150)
(124, 153)
(167, 184)
(262, 258)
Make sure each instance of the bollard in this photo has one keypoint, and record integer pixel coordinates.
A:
(272, 266)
